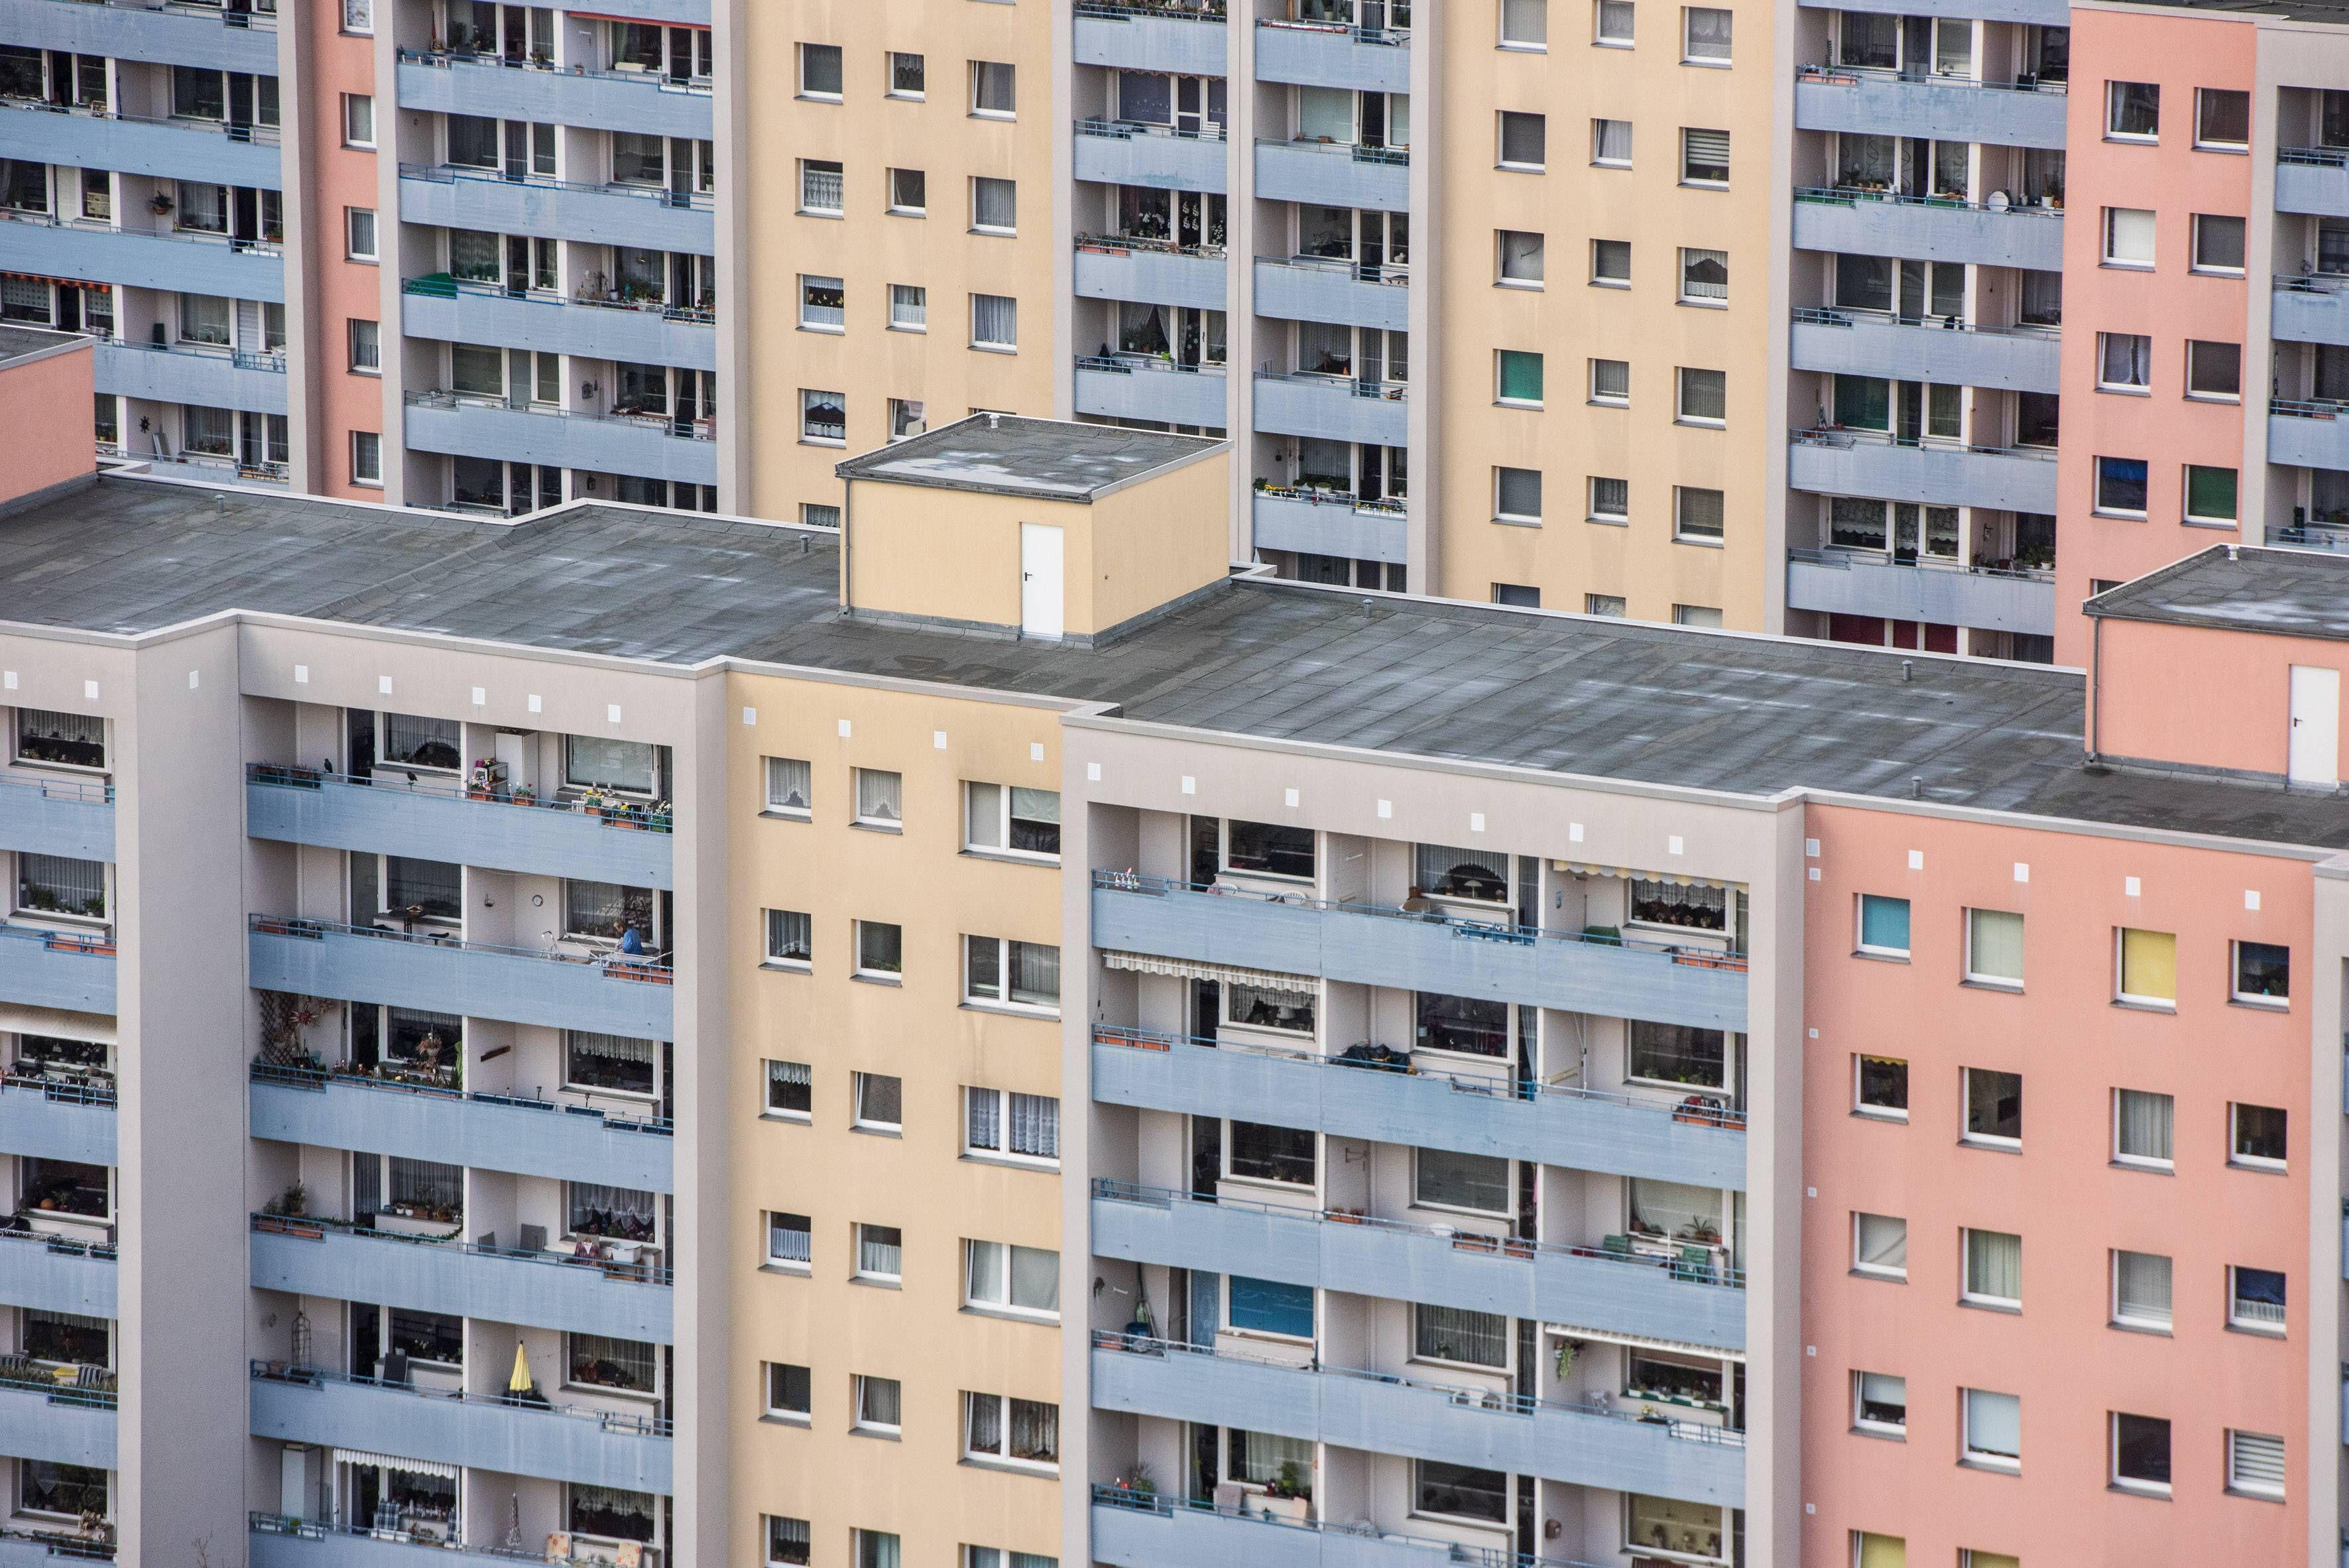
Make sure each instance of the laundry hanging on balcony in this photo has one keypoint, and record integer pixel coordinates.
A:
(393, 1462)
(1223, 974)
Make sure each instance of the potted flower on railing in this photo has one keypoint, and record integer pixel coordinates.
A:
(1289, 1495)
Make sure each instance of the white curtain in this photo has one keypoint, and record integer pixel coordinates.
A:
(2141, 1286)
(2145, 1124)
(1036, 1126)
(1995, 1265)
(986, 1118)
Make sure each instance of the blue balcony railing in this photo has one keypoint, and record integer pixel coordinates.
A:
(308, 1227)
(1451, 1552)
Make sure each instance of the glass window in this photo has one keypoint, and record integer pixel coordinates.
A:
(1460, 1492)
(1259, 1459)
(1520, 254)
(1610, 140)
(879, 797)
(994, 321)
(1456, 1334)
(2255, 1464)
(1614, 22)
(2148, 968)
(1011, 819)
(993, 89)
(2133, 109)
(2222, 119)
(1883, 924)
(607, 910)
(1025, 1125)
(1704, 157)
(820, 186)
(1270, 1306)
(2262, 971)
(1610, 264)
(789, 790)
(599, 1361)
(1705, 35)
(2128, 237)
(789, 1542)
(1610, 381)
(1994, 1428)
(824, 302)
(1261, 1007)
(59, 885)
(908, 308)
(1268, 848)
(2209, 494)
(1698, 513)
(1525, 24)
(1017, 1279)
(1446, 1178)
(1669, 1525)
(1682, 1054)
(2214, 370)
(618, 1063)
(2258, 1135)
(64, 1186)
(1516, 494)
(790, 1088)
(1880, 1402)
(994, 205)
(1675, 1211)
(787, 1391)
(1881, 1245)
(874, 1549)
(1524, 138)
(1520, 374)
(1993, 1106)
(880, 1403)
(2141, 1453)
(1470, 1026)
(1880, 1087)
(1704, 396)
(74, 1490)
(2141, 1290)
(2255, 1300)
(1994, 947)
(790, 936)
(623, 1213)
(880, 948)
(880, 1101)
(1024, 974)
(629, 765)
(790, 1239)
(1259, 1152)
(68, 1338)
(2218, 244)
(2123, 360)
(60, 739)
(880, 1251)
(820, 70)
(1993, 1268)
(1610, 501)
(1704, 279)
(2120, 485)
(1027, 1431)
(908, 76)
(2144, 1128)
(410, 741)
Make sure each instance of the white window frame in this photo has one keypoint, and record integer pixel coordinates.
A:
(1861, 1108)
(1878, 1271)
(2113, 94)
(994, 229)
(837, 167)
(1859, 941)
(1531, 519)
(2236, 1484)
(1529, 45)
(2146, 1161)
(809, 282)
(1501, 118)
(856, 1255)
(1976, 978)
(1606, 399)
(1599, 37)
(978, 68)
(859, 1120)
(1590, 500)
(1861, 1423)
(1596, 135)
(358, 17)
(769, 1110)
(1705, 62)
(1003, 820)
(900, 208)
(774, 960)
(859, 1421)
(840, 58)
(351, 220)
(771, 1411)
(2121, 1319)
(1988, 1459)
(995, 344)
(1966, 1135)
(359, 475)
(889, 64)
(1006, 1155)
(2113, 1457)
(1003, 1417)
(2195, 239)
(909, 310)
(884, 820)
(775, 806)
(1966, 1291)
(351, 102)
(2242, 1325)
(1680, 415)
(1003, 967)
(858, 958)
(787, 1265)
(2109, 222)
(1005, 1307)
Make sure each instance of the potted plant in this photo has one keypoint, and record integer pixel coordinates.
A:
(160, 204)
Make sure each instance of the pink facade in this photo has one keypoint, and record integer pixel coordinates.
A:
(2170, 304)
(343, 176)
(2063, 1192)
(45, 403)
(2191, 695)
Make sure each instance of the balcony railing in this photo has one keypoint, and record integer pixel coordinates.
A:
(1127, 363)
(247, 247)
(1143, 244)
(609, 1420)
(83, 1388)
(699, 429)
(1393, 157)
(441, 286)
(229, 17)
(452, 174)
(1839, 437)
(264, 135)
(1853, 75)
(345, 1074)
(309, 1228)
(1683, 1270)
(57, 1543)
(611, 813)
(63, 1246)
(1853, 196)
(1388, 35)
(2311, 283)
(1380, 506)
(243, 359)
(1126, 130)
(1847, 556)
(2309, 536)
(72, 942)
(650, 969)
(2307, 408)
(1824, 316)
(1377, 391)
(2315, 157)
(1159, 1503)
(1394, 273)
(1157, 10)
(62, 1091)
(319, 1530)
(660, 82)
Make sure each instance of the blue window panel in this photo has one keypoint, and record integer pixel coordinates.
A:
(1266, 1306)
(1884, 923)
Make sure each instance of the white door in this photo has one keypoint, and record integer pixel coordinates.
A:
(1040, 581)
(2315, 725)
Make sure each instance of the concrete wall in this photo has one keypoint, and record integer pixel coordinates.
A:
(45, 406)
(2208, 698)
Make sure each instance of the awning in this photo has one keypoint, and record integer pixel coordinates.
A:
(61, 283)
(1587, 868)
(1223, 974)
(393, 1462)
(98, 1028)
(1646, 1341)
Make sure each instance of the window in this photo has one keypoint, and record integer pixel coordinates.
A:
(1005, 1124)
(820, 187)
(2214, 370)
(1703, 400)
(1611, 382)
(1704, 35)
(358, 15)
(2210, 501)
(1456, 1334)
(1609, 606)
(2140, 1450)
(2255, 1463)
(1698, 1527)
(2149, 968)
(1268, 848)
(44, 1486)
(1993, 1269)
(880, 1103)
(909, 192)
(1610, 500)
(1520, 377)
(59, 884)
(787, 791)
(2255, 1300)
(994, 206)
(879, 797)
(1682, 1056)
(1014, 1432)
(1881, 1087)
(1993, 1107)
(1610, 264)
(619, 1064)
(2217, 245)
(787, 1542)
(598, 911)
(992, 89)
(880, 950)
(1704, 157)
(880, 1253)
(1270, 1307)
(994, 322)
(1517, 495)
(1011, 820)
(1017, 974)
(1613, 24)
(908, 308)
(1525, 25)
(358, 233)
(823, 303)
(1460, 1492)
(366, 458)
(789, 1091)
(66, 1338)
(1258, 1152)
(2124, 362)
(1443, 1179)
(2133, 110)
(1994, 1428)
(1520, 258)
(2222, 120)
(817, 514)
(1000, 1277)
(790, 1241)
(1879, 1246)
(1610, 140)
(599, 1361)
(2128, 237)
(824, 417)
(2256, 1136)
(1704, 277)
(1698, 514)
(995, 1557)
(2141, 1291)
(2262, 971)
(1879, 1404)
(879, 1405)
(367, 348)
(359, 120)
(2120, 485)
(1870, 1550)
(2144, 1128)
(875, 1548)
(1524, 140)
(908, 77)
(819, 71)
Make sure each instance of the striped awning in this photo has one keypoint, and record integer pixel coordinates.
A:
(393, 1462)
(1646, 1341)
(61, 283)
(1223, 974)
(1587, 868)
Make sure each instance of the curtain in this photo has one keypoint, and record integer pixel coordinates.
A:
(1700, 512)
(204, 206)
(61, 884)
(984, 1279)
(1610, 142)
(1325, 114)
(2150, 965)
(789, 1239)
(1675, 1209)
(1995, 1265)
(995, 320)
(1036, 1278)
(1448, 871)
(1993, 1423)
(427, 1182)
(1864, 160)
(995, 203)
(2126, 360)
(2128, 235)
(600, 1209)
(1145, 97)
(1997, 946)
(1206, 1307)
(1035, 805)
(787, 784)
(1708, 34)
(880, 1250)
(1145, 328)
(1457, 1180)
(1704, 274)
(788, 1084)
(1035, 1431)
(1868, 40)
(1856, 524)
(875, 1548)
(789, 935)
(985, 1119)
(984, 1419)
(1035, 973)
(1883, 1551)
(1521, 377)
(1036, 1126)
(2141, 1286)
(1258, 1456)
(878, 1401)
(880, 796)
(1883, 1241)
(1455, 1334)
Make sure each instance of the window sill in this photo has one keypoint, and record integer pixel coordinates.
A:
(2117, 516)
(775, 1419)
(375, 374)
(2112, 266)
(1990, 1466)
(1610, 521)
(1986, 1146)
(1858, 1273)
(838, 443)
(1624, 283)
(1606, 402)
(1515, 403)
(2216, 524)
(2252, 1496)
(2011, 1311)
(1899, 1119)
(994, 348)
(878, 979)
(1527, 285)
(1522, 168)
(1013, 1467)
(2124, 391)
(1011, 1314)
(1704, 184)
(985, 232)
(1518, 521)
(827, 331)
(801, 1271)
(1879, 1437)
(1051, 1015)
(2126, 1004)
(865, 827)
(2129, 1489)
(1702, 304)
(876, 1435)
(2254, 1331)
(834, 213)
(897, 1132)
(2215, 271)
(2142, 1167)
(2262, 1004)
(2259, 1167)
(901, 326)
(818, 98)
(1706, 65)
(795, 1118)
(1879, 957)
(2117, 1325)
(772, 815)
(1003, 857)
(367, 484)
(787, 966)
(1610, 44)
(1507, 47)
(872, 1282)
(1010, 1161)
(1975, 983)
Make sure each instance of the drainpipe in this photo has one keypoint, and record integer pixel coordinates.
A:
(2096, 685)
(847, 596)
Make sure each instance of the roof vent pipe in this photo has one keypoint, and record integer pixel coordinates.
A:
(995, 421)
(1907, 669)
(2234, 552)
(1916, 788)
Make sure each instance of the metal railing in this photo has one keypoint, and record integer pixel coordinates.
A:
(1484, 1244)
(78, 1548)
(1127, 129)
(2311, 282)
(2315, 157)
(443, 286)
(345, 1076)
(241, 358)
(261, 1523)
(308, 1228)
(1167, 1506)
(1127, 363)
(1857, 75)
(2309, 536)
(611, 814)
(1380, 506)
(452, 174)
(86, 791)
(1392, 273)
(1852, 196)
(1138, 244)
(1499, 1401)
(1393, 157)
(59, 1091)
(1379, 391)
(261, 135)
(66, 1246)
(696, 429)
(1157, 10)
(1847, 556)
(265, 20)
(1851, 315)
(72, 942)
(2307, 408)
(445, 59)
(244, 247)
(1840, 436)
(646, 968)
(613, 1421)
(1389, 36)
(73, 1394)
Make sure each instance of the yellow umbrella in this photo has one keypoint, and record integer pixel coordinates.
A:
(519, 1382)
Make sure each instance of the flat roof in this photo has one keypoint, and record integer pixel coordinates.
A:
(1657, 704)
(1007, 454)
(29, 342)
(2240, 588)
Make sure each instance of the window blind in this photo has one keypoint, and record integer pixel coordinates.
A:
(2150, 965)
(2141, 1287)
(1993, 1423)
(1997, 945)
(2255, 1463)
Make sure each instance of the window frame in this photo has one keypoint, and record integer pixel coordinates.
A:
(1860, 1106)
(858, 1421)
(882, 820)
(1863, 1423)
(807, 51)
(856, 1240)
(1983, 978)
(1859, 934)
(1682, 385)
(2121, 993)
(2109, 226)
(1967, 1135)
(1501, 358)
(1987, 1459)
(1592, 513)
(1503, 277)
(1500, 514)
(1872, 1270)
(1703, 182)
(2116, 96)
(2203, 143)
(1501, 159)
(864, 971)
(361, 475)
(2237, 1159)
(2194, 518)
(351, 102)
(2141, 1487)
(2197, 264)
(1004, 819)
(1003, 960)
(2143, 1161)
(2236, 1321)
(2115, 1315)
(1721, 62)
(775, 959)
(1006, 1307)
(1528, 45)
(770, 1111)
(352, 219)
(2096, 496)
(1003, 1414)
(2275, 1001)
(865, 1086)
(778, 808)
(2235, 1485)
(1603, 39)
(1005, 1154)
(778, 1264)
(1970, 1296)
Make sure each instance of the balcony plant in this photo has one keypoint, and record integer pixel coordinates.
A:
(1290, 1482)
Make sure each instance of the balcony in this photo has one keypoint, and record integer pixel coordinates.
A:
(1950, 108)
(279, 1541)
(181, 373)
(1139, 1530)
(172, 260)
(1290, 403)
(339, 1109)
(1332, 55)
(56, 816)
(478, 979)
(41, 1419)
(212, 37)
(1658, 1137)
(1140, 387)
(1331, 522)
(58, 1273)
(1868, 463)
(557, 838)
(133, 144)
(462, 1279)
(2311, 309)
(1369, 944)
(43, 968)
(304, 1405)
(52, 1119)
(48, 1548)
(2309, 536)
(677, 13)
(1348, 293)
(645, 101)
(442, 308)
(1115, 153)
(2315, 435)
(1334, 173)
(453, 198)
(1871, 582)
(1928, 228)
(1865, 342)
(2043, 13)
(2312, 180)
(1581, 1287)
(1149, 272)
(1183, 39)
(650, 446)
(1387, 1414)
